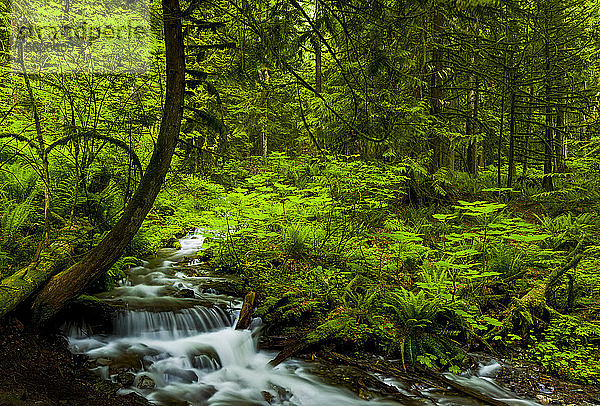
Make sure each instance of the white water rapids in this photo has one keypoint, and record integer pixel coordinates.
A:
(190, 354)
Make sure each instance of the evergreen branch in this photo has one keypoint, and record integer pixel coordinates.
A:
(97, 136)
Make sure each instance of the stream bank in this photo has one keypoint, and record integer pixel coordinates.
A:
(166, 333)
(38, 369)
(173, 341)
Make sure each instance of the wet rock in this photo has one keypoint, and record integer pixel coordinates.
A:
(182, 375)
(148, 360)
(255, 323)
(106, 386)
(145, 382)
(268, 396)
(172, 243)
(283, 395)
(230, 287)
(185, 293)
(208, 360)
(124, 363)
(103, 361)
(125, 378)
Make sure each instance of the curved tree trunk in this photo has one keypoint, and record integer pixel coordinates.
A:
(69, 283)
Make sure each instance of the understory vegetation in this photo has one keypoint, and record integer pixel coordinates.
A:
(342, 257)
(417, 179)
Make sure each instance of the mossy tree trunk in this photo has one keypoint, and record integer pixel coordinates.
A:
(66, 285)
(534, 304)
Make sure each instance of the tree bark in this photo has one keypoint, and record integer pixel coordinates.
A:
(561, 141)
(318, 57)
(500, 139)
(470, 129)
(69, 283)
(511, 142)
(547, 181)
(435, 88)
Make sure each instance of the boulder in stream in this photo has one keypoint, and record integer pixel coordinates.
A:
(145, 382)
(125, 378)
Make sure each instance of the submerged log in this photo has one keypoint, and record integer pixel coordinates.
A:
(246, 312)
(465, 389)
(426, 376)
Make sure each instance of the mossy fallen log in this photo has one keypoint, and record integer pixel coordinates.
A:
(18, 287)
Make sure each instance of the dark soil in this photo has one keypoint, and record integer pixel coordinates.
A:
(38, 369)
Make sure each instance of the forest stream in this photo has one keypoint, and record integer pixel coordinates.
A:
(179, 350)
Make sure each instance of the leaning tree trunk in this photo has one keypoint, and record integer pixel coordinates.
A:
(69, 283)
(533, 304)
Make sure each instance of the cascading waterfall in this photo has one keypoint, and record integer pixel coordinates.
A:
(192, 355)
(171, 325)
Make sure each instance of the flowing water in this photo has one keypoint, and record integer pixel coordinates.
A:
(177, 350)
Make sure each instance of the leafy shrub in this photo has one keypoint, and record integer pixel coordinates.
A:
(568, 347)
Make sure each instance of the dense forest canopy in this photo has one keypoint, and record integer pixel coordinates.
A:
(417, 178)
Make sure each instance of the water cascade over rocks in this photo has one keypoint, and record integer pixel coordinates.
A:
(175, 349)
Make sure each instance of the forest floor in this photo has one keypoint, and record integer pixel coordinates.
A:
(38, 369)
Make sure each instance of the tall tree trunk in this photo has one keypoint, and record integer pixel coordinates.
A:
(472, 116)
(435, 85)
(511, 141)
(469, 130)
(318, 57)
(69, 283)
(525, 159)
(500, 139)
(548, 144)
(561, 144)
(318, 67)
(549, 133)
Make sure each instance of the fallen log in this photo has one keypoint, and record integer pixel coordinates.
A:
(246, 312)
(288, 351)
(18, 287)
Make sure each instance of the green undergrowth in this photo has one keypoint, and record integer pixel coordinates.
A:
(337, 250)
(568, 347)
